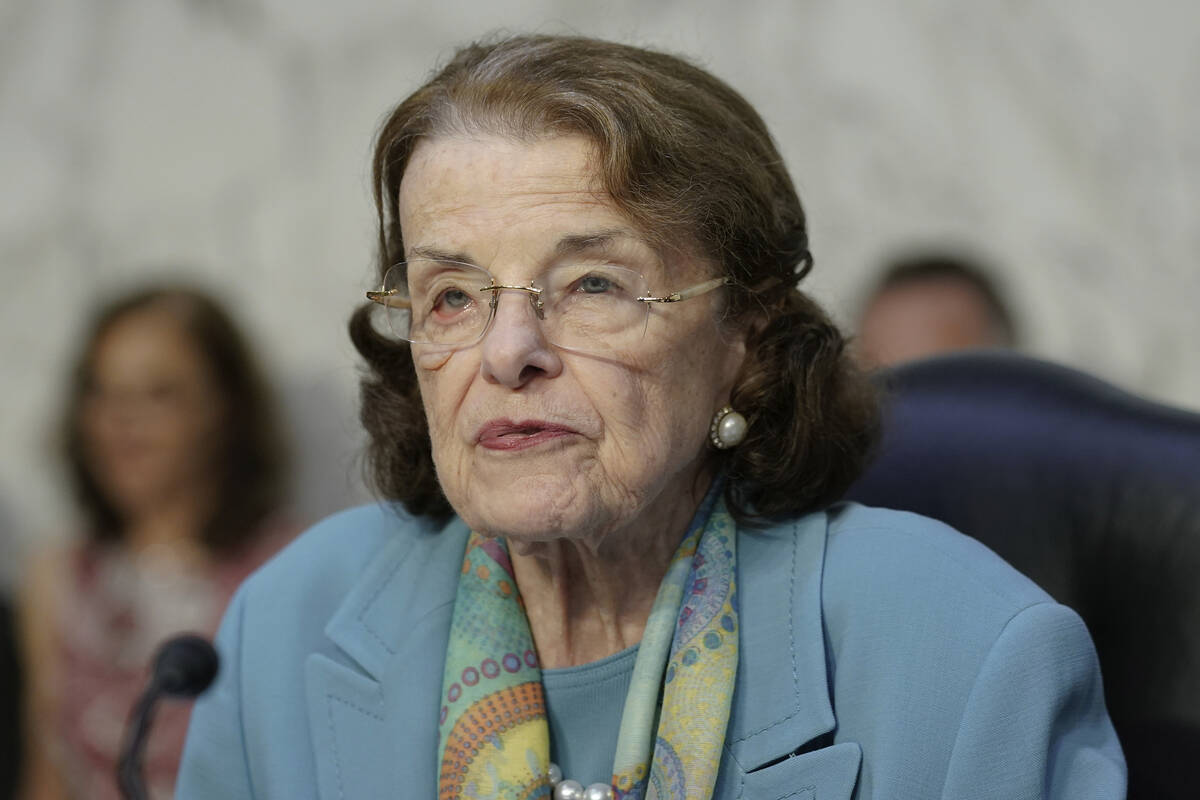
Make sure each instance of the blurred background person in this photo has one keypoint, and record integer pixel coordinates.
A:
(10, 712)
(177, 462)
(928, 304)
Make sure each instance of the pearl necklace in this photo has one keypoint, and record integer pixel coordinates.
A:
(573, 790)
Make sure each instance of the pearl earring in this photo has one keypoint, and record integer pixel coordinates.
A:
(728, 429)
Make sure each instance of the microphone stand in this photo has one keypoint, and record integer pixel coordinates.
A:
(130, 770)
(184, 667)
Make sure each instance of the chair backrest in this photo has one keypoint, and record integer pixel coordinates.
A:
(1092, 492)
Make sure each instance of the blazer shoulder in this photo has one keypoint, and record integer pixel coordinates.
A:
(329, 558)
(905, 555)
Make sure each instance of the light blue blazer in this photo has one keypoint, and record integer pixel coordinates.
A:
(882, 655)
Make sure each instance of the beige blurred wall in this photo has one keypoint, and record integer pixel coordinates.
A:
(227, 142)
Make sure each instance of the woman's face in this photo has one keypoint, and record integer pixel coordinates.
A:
(151, 414)
(532, 442)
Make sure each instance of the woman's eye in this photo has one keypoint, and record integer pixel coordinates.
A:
(595, 284)
(453, 299)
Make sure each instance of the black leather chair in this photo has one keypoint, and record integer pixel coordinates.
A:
(1092, 492)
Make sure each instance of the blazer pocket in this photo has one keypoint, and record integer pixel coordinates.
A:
(830, 773)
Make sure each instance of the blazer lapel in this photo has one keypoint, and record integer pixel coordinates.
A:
(781, 710)
(373, 716)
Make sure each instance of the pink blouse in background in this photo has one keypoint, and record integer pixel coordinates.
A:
(112, 617)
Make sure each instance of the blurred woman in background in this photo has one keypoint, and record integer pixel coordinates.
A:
(177, 459)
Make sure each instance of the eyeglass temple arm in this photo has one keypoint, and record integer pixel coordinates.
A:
(688, 293)
(388, 297)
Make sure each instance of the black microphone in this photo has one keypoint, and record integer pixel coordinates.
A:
(184, 667)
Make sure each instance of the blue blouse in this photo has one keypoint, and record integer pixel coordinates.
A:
(584, 705)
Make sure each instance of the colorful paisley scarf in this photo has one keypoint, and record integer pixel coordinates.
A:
(494, 741)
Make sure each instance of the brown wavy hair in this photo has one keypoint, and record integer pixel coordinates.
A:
(690, 162)
(252, 456)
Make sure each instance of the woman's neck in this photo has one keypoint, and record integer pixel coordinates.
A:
(587, 600)
(171, 524)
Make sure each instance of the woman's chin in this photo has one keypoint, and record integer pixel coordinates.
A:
(528, 524)
(531, 508)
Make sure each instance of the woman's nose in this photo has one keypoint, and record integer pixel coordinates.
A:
(515, 349)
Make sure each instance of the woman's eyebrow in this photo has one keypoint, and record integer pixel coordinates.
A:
(434, 254)
(572, 245)
(603, 240)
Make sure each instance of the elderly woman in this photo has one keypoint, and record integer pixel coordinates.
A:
(611, 430)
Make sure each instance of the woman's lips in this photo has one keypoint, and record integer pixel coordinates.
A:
(504, 434)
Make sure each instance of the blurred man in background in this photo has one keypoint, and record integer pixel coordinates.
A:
(929, 304)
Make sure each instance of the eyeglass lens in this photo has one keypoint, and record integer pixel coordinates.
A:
(590, 307)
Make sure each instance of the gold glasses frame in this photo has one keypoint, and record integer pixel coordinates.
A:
(392, 298)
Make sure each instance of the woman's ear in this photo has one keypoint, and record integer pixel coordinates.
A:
(738, 335)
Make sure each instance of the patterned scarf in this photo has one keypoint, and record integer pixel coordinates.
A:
(494, 740)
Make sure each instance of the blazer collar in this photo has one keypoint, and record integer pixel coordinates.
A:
(781, 701)
(408, 580)
(394, 623)
(782, 643)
